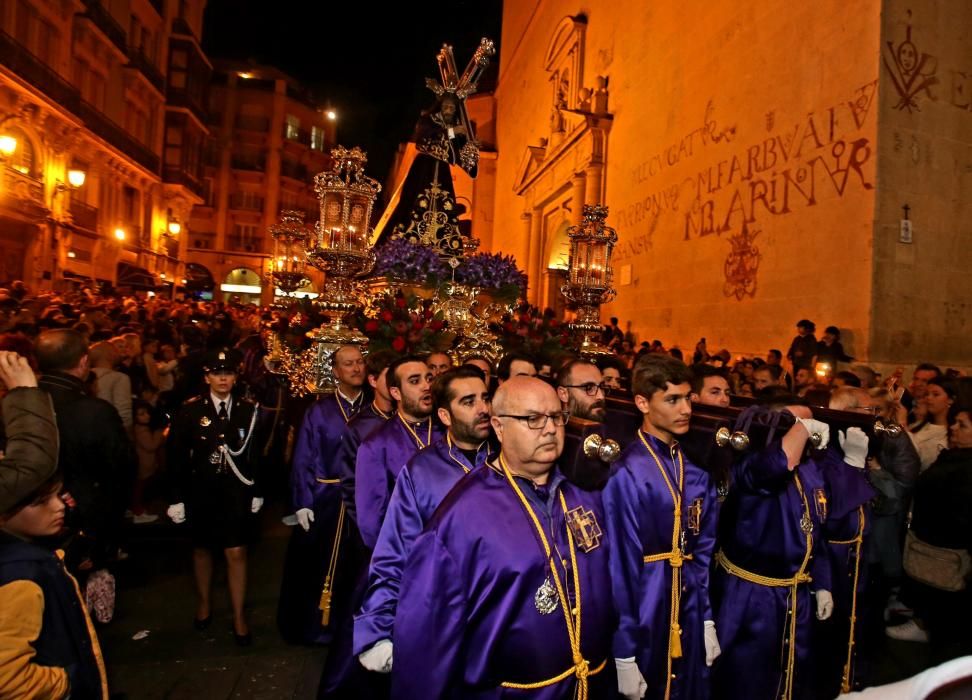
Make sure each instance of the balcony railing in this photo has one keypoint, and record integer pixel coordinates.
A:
(179, 176)
(243, 163)
(30, 68)
(118, 137)
(261, 124)
(84, 215)
(296, 171)
(178, 97)
(244, 245)
(301, 136)
(239, 201)
(22, 62)
(102, 19)
(140, 62)
(181, 26)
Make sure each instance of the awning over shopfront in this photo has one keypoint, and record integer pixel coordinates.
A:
(135, 277)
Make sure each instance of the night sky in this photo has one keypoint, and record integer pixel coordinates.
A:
(368, 60)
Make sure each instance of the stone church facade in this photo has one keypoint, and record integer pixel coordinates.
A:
(757, 159)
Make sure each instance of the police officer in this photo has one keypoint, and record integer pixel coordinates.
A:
(214, 468)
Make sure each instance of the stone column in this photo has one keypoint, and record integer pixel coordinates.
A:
(593, 190)
(533, 268)
(578, 190)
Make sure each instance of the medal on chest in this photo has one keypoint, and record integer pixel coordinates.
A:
(820, 502)
(546, 598)
(806, 524)
(695, 516)
(584, 527)
(205, 421)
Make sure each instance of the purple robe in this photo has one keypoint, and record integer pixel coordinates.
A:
(640, 515)
(759, 531)
(467, 617)
(848, 516)
(365, 422)
(380, 457)
(315, 485)
(421, 486)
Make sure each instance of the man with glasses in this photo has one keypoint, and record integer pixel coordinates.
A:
(582, 390)
(506, 591)
(462, 404)
(661, 511)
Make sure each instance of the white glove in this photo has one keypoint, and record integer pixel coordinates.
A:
(177, 513)
(631, 684)
(378, 658)
(854, 444)
(712, 648)
(825, 605)
(305, 516)
(818, 427)
(256, 504)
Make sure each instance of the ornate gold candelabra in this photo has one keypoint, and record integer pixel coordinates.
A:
(340, 249)
(590, 276)
(287, 273)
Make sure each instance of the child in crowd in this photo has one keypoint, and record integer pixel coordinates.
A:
(48, 646)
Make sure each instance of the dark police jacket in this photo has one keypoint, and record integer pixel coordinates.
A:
(197, 433)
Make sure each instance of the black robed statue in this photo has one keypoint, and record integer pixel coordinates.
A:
(426, 212)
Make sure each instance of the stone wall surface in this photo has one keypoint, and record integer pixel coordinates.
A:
(736, 148)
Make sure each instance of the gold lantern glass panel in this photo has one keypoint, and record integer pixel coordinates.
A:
(590, 276)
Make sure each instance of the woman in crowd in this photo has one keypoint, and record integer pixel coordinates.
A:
(931, 435)
(937, 551)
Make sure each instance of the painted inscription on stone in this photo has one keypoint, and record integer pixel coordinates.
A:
(795, 165)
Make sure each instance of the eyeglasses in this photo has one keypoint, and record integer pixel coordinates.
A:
(590, 388)
(538, 421)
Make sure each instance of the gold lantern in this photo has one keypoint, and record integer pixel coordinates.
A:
(339, 248)
(590, 276)
(290, 235)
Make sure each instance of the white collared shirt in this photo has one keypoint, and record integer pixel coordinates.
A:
(216, 401)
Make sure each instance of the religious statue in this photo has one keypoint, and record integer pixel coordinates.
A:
(426, 211)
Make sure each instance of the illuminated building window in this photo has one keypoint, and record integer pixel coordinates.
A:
(293, 128)
(317, 138)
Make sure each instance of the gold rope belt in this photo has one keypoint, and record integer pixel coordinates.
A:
(857, 541)
(580, 669)
(675, 558)
(325, 604)
(328, 481)
(793, 583)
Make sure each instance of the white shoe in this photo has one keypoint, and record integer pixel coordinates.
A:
(907, 632)
(144, 518)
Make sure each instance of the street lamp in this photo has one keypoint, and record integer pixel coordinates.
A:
(120, 234)
(175, 228)
(331, 115)
(8, 144)
(76, 177)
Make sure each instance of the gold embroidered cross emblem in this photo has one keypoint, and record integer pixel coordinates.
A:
(584, 527)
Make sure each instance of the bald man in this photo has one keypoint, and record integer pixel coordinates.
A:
(513, 556)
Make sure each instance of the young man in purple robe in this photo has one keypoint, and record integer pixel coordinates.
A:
(383, 453)
(462, 404)
(507, 590)
(662, 512)
(772, 557)
(311, 580)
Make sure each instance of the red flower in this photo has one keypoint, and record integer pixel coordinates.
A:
(387, 316)
(400, 302)
(553, 323)
(398, 344)
(371, 326)
(418, 325)
(436, 326)
(428, 313)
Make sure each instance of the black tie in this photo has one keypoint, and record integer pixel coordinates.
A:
(222, 411)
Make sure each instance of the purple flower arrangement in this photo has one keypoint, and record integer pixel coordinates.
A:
(493, 271)
(402, 260)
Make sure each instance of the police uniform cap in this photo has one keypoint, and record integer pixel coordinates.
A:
(223, 359)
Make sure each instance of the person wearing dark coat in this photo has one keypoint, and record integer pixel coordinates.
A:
(804, 346)
(215, 485)
(95, 455)
(30, 432)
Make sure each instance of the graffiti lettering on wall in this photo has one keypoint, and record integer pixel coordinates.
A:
(794, 166)
(682, 149)
(912, 73)
(742, 264)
